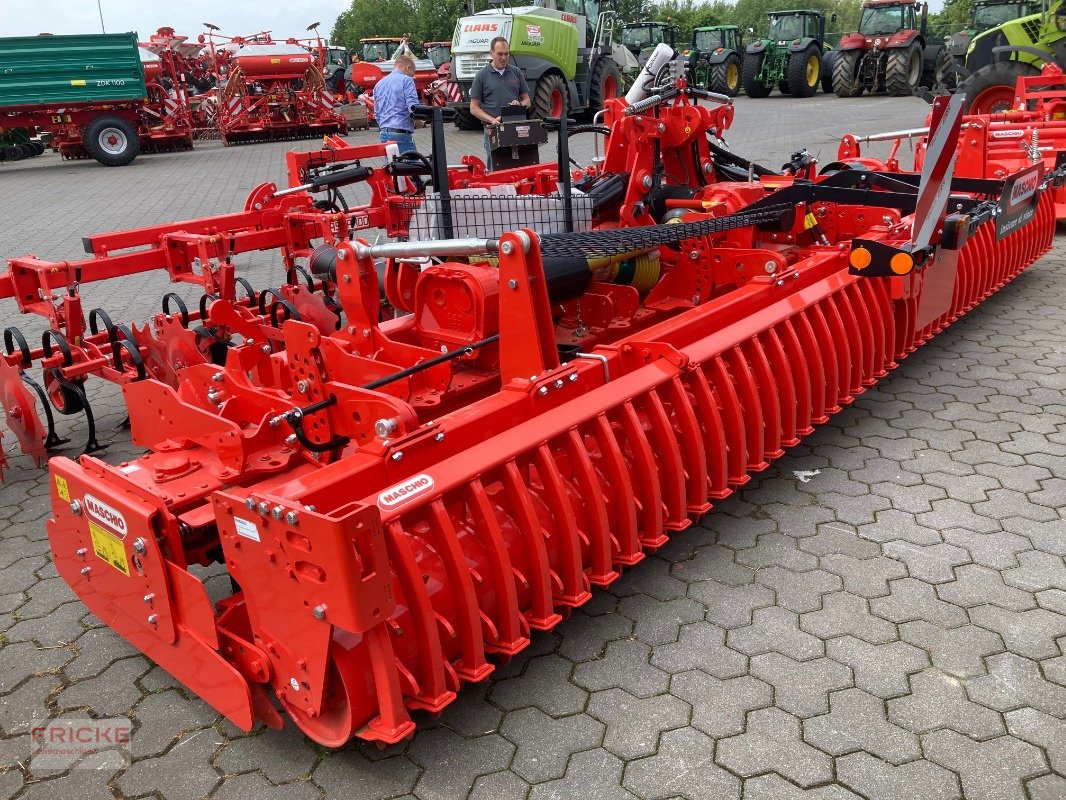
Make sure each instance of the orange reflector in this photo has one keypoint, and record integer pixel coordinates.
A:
(901, 263)
(860, 258)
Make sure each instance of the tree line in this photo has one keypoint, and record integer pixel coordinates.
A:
(434, 20)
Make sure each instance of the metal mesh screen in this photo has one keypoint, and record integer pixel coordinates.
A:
(479, 214)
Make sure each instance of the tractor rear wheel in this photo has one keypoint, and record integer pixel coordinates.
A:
(938, 67)
(549, 98)
(804, 71)
(846, 81)
(749, 76)
(829, 58)
(725, 77)
(990, 90)
(465, 121)
(903, 70)
(606, 83)
(112, 141)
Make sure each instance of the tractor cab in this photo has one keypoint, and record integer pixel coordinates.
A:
(380, 48)
(716, 37)
(438, 52)
(787, 26)
(641, 38)
(888, 18)
(990, 13)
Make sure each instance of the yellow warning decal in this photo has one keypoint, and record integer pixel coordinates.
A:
(810, 221)
(62, 489)
(109, 548)
(77, 82)
(275, 61)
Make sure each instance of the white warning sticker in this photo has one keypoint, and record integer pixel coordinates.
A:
(247, 529)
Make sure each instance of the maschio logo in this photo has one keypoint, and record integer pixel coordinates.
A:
(1024, 187)
(1008, 134)
(106, 514)
(403, 492)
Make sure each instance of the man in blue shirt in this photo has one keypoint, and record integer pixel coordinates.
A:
(393, 97)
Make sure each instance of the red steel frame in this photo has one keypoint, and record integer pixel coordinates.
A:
(392, 520)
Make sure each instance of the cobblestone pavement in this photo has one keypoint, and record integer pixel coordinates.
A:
(880, 614)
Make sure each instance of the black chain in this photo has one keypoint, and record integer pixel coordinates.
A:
(618, 241)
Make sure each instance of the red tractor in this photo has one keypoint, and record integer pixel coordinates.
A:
(889, 53)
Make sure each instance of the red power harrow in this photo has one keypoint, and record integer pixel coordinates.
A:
(402, 499)
(271, 90)
(993, 145)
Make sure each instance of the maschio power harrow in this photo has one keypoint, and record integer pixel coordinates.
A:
(415, 453)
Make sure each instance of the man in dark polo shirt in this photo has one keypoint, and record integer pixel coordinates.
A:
(499, 83)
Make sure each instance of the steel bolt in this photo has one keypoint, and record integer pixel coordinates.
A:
(81, 551)
(289, 440)
(694, 255)
(75, 508)
(558, 384)
(398, 455)
(439, 437)
(276, 512)
(291, 518)
(662, 127)
(646, 182)
(266, 349)
(320, 611)
(543, 390)
(342, 254)
(86, 570)
(218, 377)
(295, 684)
(302, 386)
(572, 376)
(507, 248)
(513, 284)
(152, 619)
(770, 267)
(140, 546)
(708, 167)
(263, 508)
(250, 504)
(385, 427)
(148, 598)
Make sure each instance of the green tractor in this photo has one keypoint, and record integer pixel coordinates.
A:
(716, 58)
(790, 58)
(998, 57)
(984, 15)
(641, 38)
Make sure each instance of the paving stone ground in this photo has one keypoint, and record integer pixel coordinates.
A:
(881, 614)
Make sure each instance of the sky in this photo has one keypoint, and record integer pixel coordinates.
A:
(234, 17)
(186, 17)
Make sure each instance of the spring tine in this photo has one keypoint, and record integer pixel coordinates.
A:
(786, 373)
(563, 540)
(472, 665)
(736, 438)
(751, 405)
(671, 471)
(767, 388)
(792, 355)
(646, 483)
(714, 437)
(597, 528)
(833, 377)
(619, 481)
(511, 635)
(686, 429)
(541, 616)
(427, 667)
